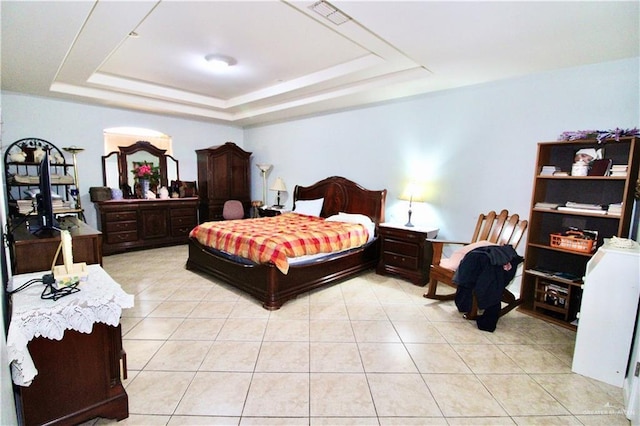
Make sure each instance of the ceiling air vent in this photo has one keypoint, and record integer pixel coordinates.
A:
(330, 12)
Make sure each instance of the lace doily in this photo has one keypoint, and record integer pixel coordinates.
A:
(100, 299)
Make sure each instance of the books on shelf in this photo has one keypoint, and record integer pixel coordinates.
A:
(29, 206)
(545, 205)
(549, 170)
(585, 206)
(618, 170)
(555, 274)
(600, 167)
(574, 207)
(26, 206)
(580, 210)
(615, 209)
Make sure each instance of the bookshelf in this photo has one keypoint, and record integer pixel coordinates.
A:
(603, 204)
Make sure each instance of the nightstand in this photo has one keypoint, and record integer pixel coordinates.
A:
(404, 251)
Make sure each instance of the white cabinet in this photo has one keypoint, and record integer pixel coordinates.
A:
(631, 386)
(608, 314)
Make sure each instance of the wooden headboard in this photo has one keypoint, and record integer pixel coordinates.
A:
(342, 195)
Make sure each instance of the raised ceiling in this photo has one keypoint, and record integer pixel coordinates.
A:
(291, 61)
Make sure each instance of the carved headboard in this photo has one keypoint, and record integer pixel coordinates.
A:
(343, 195)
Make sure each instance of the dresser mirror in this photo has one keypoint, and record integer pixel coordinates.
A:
(118, 166)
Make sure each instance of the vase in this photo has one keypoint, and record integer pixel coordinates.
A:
(144, 187)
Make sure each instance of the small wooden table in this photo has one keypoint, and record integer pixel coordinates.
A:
(32, 253)
(66, 354)
(405, 251)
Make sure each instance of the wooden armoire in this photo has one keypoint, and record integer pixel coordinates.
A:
(223, 174)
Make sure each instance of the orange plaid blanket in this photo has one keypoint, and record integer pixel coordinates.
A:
(274, 239)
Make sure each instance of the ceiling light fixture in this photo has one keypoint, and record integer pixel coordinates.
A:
(330, 12)
(220, 61)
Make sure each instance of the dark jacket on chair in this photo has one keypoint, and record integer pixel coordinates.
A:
(482, 272)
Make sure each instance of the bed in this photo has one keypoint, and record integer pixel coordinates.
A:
(272, 287)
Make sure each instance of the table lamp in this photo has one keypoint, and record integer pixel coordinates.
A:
(413, 192)
(264, 168)
(279, 186)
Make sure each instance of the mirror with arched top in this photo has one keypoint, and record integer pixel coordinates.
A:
(118, 168)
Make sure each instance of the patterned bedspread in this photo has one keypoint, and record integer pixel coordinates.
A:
(274, 239)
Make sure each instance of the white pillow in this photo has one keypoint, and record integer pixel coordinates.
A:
(456, 257)
(309, 207)
(351, 218)
(355, 218)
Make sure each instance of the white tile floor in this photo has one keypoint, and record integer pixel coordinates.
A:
(368, 351)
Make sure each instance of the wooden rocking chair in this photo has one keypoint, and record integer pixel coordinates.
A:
(493, 228)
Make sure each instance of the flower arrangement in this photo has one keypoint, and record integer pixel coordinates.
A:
(599, 135)
(144, 170)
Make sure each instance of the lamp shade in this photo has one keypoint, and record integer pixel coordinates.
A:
(264, 168)
(279, 185)
(413, 192)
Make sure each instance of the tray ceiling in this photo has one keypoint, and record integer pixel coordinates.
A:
(290, 60)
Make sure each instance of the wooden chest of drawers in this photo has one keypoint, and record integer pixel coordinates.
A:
(134, 224)
(183, 220)
(405, 252)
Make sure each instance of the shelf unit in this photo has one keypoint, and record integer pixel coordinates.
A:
(31, 168)
(541, 286)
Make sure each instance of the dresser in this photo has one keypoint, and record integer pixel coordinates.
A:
(405, 252)
(139, 223)
(223, 174)
(31, 253)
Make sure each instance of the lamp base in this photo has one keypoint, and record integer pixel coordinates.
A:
(409, 224)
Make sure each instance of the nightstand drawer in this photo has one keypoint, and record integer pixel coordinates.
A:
(401, 234)
(405, 262)
(400, 247)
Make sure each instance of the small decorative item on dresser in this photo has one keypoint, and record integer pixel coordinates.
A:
(145, 185)
(116, 194)
(100, 193)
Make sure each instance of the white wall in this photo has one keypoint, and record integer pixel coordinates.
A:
(68, 123)
(476, 145)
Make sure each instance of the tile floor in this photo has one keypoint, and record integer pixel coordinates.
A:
(368, 351)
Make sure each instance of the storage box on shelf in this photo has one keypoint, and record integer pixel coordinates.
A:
(557, 261)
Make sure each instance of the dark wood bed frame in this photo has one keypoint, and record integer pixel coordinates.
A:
(272, 287)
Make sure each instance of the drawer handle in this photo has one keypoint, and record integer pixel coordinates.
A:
(123, 357)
